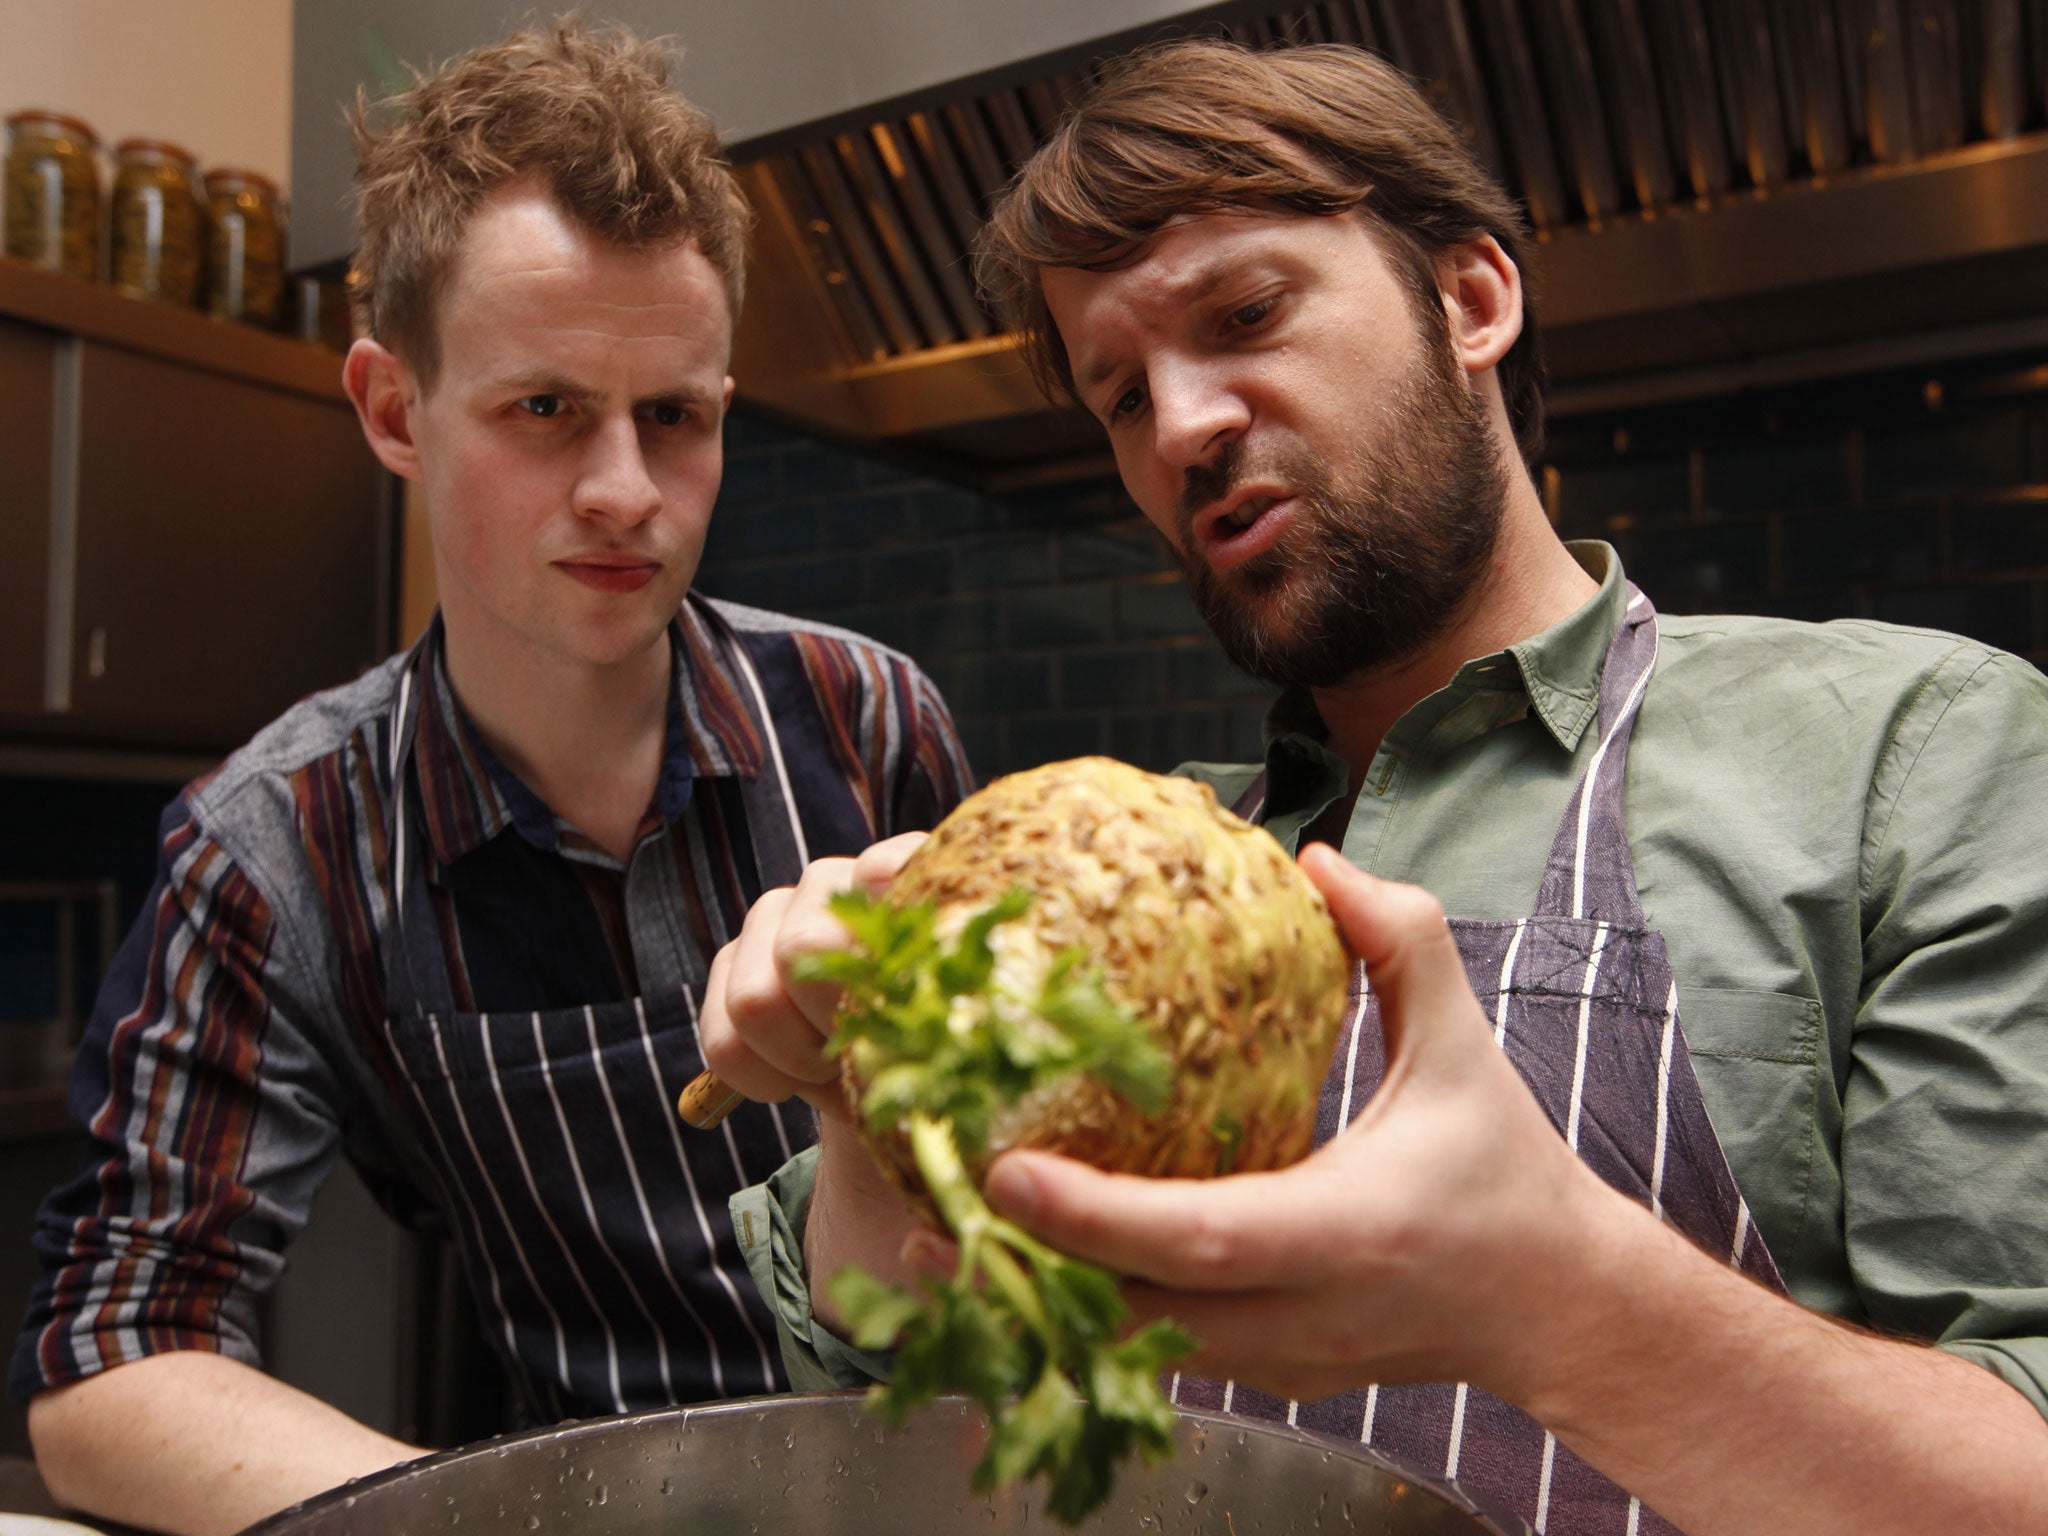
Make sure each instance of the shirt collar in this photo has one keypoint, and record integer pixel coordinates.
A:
(1554, 675)
(1561, 667)
(468, 794)
(716, 734)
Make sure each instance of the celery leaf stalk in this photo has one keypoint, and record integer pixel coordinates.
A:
(943, 1046)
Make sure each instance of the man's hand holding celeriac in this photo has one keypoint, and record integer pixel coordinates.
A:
(1449, 1234)
(764, 1032)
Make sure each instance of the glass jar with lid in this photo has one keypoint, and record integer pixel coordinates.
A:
(53, 192)
(244, 247)
(159, 223)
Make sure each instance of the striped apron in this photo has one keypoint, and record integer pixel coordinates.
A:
(1583, 1001)
(595, 1236)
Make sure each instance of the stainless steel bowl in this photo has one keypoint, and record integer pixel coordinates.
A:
(810, 1465)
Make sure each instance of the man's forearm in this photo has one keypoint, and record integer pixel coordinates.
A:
(856, 1218)
(196, 1443)
(1729, 1409)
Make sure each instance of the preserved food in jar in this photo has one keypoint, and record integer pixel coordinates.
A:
(159, 224)
(244, 247)
(53, 192)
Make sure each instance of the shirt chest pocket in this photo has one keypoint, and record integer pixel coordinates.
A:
(1757, 1057)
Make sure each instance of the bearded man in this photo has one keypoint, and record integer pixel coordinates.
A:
(1723, 1204)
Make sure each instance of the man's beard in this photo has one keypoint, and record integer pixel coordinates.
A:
(1383, 551)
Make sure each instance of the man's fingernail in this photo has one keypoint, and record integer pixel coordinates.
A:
(1013, 1189)
(926, 1254)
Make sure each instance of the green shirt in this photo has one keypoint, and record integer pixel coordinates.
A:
(1841, 831)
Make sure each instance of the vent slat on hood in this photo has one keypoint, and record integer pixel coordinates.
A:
(871, 288)
(917, 187)
(905, 251)
(1605, 118)
(1533, 167)
(1626, 58)
(1809, 62)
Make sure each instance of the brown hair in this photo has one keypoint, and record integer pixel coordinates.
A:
(1203, 126)
(588, 111)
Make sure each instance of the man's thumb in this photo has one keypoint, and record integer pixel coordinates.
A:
(1400, 933)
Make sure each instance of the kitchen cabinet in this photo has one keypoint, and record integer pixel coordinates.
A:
(28, 361)
(196, 533)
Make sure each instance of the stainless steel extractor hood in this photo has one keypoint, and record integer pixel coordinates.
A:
(1724, 190)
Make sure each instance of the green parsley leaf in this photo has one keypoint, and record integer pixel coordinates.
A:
(876, 1314)
(943, 1048)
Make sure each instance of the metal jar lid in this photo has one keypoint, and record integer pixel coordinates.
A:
(72, 126)
(162, 149)
(230, 179)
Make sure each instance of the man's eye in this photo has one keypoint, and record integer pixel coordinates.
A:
(1251, 314)
(666, 414)
(542, 405)
(1127, 402)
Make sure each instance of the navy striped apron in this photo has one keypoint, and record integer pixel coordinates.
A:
(1583, 1001)
(583, 1215)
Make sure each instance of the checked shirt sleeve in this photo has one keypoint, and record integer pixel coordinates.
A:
(210, 1126)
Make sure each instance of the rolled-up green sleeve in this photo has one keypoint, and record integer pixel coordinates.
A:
(769, 1219)
(1945, 1111)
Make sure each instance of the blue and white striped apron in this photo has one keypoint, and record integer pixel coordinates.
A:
(1583, 1001)
(594, 1233)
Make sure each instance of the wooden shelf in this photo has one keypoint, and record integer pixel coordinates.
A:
(168, 332)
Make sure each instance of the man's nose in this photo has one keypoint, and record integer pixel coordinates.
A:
(1195, 414)
(615, 484)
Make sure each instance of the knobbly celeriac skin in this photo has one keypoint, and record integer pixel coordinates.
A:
(1200, 925)
(1102, 962)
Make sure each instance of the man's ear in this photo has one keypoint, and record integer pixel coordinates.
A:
(384, 392)
(1482, 294)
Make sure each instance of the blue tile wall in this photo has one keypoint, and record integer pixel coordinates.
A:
(1054, 619)
(1057, 623)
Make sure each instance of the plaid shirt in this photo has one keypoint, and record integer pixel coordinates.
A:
(263, 1017)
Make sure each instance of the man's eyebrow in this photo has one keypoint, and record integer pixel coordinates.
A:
(1091, 377)
(556, 384)
(539, 384)
(1185, 290)
(685, 394)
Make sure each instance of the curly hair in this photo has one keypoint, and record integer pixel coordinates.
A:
(589, 111)
(1206, 126)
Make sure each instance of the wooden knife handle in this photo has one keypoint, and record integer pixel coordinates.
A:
(707, 1101)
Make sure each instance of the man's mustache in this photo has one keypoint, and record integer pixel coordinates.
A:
(1205, 484)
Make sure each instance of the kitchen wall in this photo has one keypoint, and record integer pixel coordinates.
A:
(1916, 496)
(212, 75)
(738, 63)
(1055, 622)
